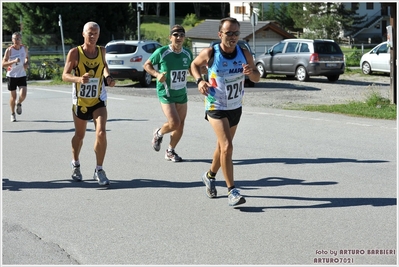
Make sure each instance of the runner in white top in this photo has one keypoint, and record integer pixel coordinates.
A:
(16, 61)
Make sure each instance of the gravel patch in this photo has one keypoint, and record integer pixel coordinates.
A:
(281, 92)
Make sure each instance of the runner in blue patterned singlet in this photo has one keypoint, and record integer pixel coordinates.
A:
(87, 70)
(227, 66)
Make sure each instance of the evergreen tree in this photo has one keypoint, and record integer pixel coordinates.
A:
(40, 20)
(280, 14)
(323, 20)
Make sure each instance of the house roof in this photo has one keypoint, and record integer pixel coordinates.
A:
(209, 29)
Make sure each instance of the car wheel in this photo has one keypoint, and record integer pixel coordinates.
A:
(333, 78)
(366, 68)
(261, 70)
(301, 74)
(146, 79)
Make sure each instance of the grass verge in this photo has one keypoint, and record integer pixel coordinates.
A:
(375, 106)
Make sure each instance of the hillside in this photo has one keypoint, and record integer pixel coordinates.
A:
(157, 28)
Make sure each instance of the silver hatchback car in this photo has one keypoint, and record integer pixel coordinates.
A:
(302, 58)
(377, 59)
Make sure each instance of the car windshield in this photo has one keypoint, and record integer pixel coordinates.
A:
(327, 48)
(278, 48)
(121, 49)
(382, 49)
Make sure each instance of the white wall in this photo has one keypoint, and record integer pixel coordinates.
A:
(263, 41)
(240, 17)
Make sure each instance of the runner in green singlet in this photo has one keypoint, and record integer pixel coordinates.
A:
(170, 64)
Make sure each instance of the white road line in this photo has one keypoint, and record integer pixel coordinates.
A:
(69, 92)
(50, 90)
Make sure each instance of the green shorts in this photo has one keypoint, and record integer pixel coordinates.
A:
(174, 99)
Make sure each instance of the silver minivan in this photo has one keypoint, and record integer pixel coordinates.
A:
(302, 58)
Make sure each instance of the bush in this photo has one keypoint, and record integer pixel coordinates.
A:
(190, 20)
(353, 59)
(376, 100)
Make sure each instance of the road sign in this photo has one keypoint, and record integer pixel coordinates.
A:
(254, 19)
(140, 6)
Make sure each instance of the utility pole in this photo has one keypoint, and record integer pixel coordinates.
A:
(140, 6)
(62, 37)
(171, 14)
(254, 22)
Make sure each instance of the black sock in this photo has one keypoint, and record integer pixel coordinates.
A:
(211, 174)
(230, 188)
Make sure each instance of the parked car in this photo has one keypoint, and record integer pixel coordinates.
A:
(377, 59)
(243, 44)
(302, 58)
(126, 58)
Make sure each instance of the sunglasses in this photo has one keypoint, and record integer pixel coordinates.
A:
(17, 39)
(232, 33)
(179, 35)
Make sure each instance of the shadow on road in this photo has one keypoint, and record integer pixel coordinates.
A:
(302, 161)
(11, 185)
(328, 203)
(45, 131)
(62, 130)
(144, 182)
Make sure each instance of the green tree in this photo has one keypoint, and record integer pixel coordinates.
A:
(270, 13)
(323, 20)
(10, 22)
(281, 15)
(40, 20)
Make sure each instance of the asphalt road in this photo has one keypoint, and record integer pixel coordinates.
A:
(319, 188)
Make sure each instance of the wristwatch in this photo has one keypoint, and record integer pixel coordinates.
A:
(198, 80)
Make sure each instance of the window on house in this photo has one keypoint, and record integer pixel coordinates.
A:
(355, 6)
(239, 9)
(370, 6)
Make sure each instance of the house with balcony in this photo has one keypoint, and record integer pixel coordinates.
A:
(373, 29)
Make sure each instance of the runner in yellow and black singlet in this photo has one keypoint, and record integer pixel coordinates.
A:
(86, 97)
(85, 67)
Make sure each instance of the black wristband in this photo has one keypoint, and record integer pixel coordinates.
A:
(198, 80)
